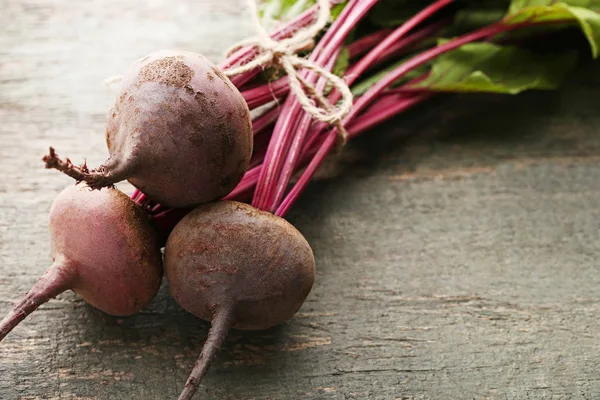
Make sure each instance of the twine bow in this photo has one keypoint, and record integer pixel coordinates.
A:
(284, 54)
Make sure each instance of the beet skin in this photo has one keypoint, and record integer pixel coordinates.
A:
(179, 131)
(103, 248)
(239, 267)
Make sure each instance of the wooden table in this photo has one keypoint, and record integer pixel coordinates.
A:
(457, 247)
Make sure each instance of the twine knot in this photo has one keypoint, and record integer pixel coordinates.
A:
(284, 53)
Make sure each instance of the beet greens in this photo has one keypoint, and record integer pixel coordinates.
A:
(394, 55)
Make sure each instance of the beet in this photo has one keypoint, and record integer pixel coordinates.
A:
(103, 248)
(180, 132)
(238, 267)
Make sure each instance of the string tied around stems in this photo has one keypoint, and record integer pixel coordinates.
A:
(284, 54)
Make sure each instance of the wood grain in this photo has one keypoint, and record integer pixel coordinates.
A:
(457, 247)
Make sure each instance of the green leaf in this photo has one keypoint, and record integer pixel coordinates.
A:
(337, 10)
(516, 5)
(486, 67)
(583, 12)
(341, 66)
(342, 62)
(274, 12)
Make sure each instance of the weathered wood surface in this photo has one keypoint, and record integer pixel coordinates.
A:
(461, 263)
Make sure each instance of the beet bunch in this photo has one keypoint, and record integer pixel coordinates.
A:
(181, 132)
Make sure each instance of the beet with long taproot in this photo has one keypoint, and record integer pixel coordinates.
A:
(103, 248)
(238, 267)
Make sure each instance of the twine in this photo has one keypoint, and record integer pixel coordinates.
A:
(283, 53)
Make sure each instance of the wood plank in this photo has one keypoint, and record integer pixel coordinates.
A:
(456, 247)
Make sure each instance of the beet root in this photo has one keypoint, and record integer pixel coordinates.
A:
(103, 248)
(238, 267)
(179, 131)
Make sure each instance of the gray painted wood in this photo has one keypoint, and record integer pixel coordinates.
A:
(456, 247)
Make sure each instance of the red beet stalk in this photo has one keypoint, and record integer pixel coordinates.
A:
(287, 126)
(285, 173)
(374, 91)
